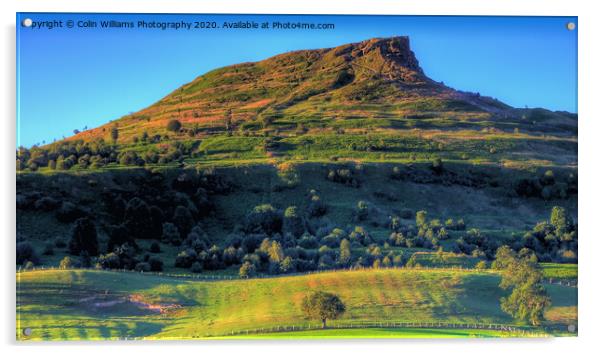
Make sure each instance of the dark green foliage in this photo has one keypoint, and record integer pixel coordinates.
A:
(26, 253)
(170, 234)
(186, 258)
(264, 219)
(174, 125)
(293, 223)
(119, 235)
(83, 238)
(323, 306)
(69, 212)
(156, 265)
(196, 267)
(155, 247)
(138, 219)
(183, 220)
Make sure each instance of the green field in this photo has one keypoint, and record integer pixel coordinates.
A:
(81, 304)
(559, 271)
(377, 333)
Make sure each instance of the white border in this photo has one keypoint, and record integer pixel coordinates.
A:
(590, 150)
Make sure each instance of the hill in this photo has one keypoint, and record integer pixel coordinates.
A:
(298, 104)
(79, 304)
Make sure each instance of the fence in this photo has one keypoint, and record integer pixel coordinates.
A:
(519, 331)
(205, 277)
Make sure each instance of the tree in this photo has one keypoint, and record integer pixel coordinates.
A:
(323, 306)
(559, 219)
(421, 218)
(183, 220)
(138, 219)
(83, 238)
(66, 263)
(114, 134)
(345, 252)
(293, 222)
(246, 270)
(174, 125)
(528, 299)
(275, 252)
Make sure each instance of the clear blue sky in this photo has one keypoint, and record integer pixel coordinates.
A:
(71, 78)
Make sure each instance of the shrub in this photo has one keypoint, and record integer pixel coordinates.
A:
(66, 263)
(421, 219)
(247, 269)
(264, 219)
(183, 220)
(481, 265)
(174, 125)
(316, 207)
(185, 258)
(293, 222)
(196, 267)
(361, 210)
(83, 238)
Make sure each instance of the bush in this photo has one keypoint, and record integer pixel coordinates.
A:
(66, 263)
(185, 258)
(264, 219)
(481, 265)
(174, 125)
(109, 261)
(183, 220)
(293, 222)
(196, 267)
(83, 238)
(316, 207)
(361, 210)
(247, 270)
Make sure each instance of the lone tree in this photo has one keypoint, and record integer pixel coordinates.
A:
(528, 299)
(323, 306)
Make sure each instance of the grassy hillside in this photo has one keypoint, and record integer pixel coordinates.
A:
(79, 304)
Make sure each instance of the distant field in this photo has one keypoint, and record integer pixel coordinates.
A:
(559, 271)
(78, 304)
